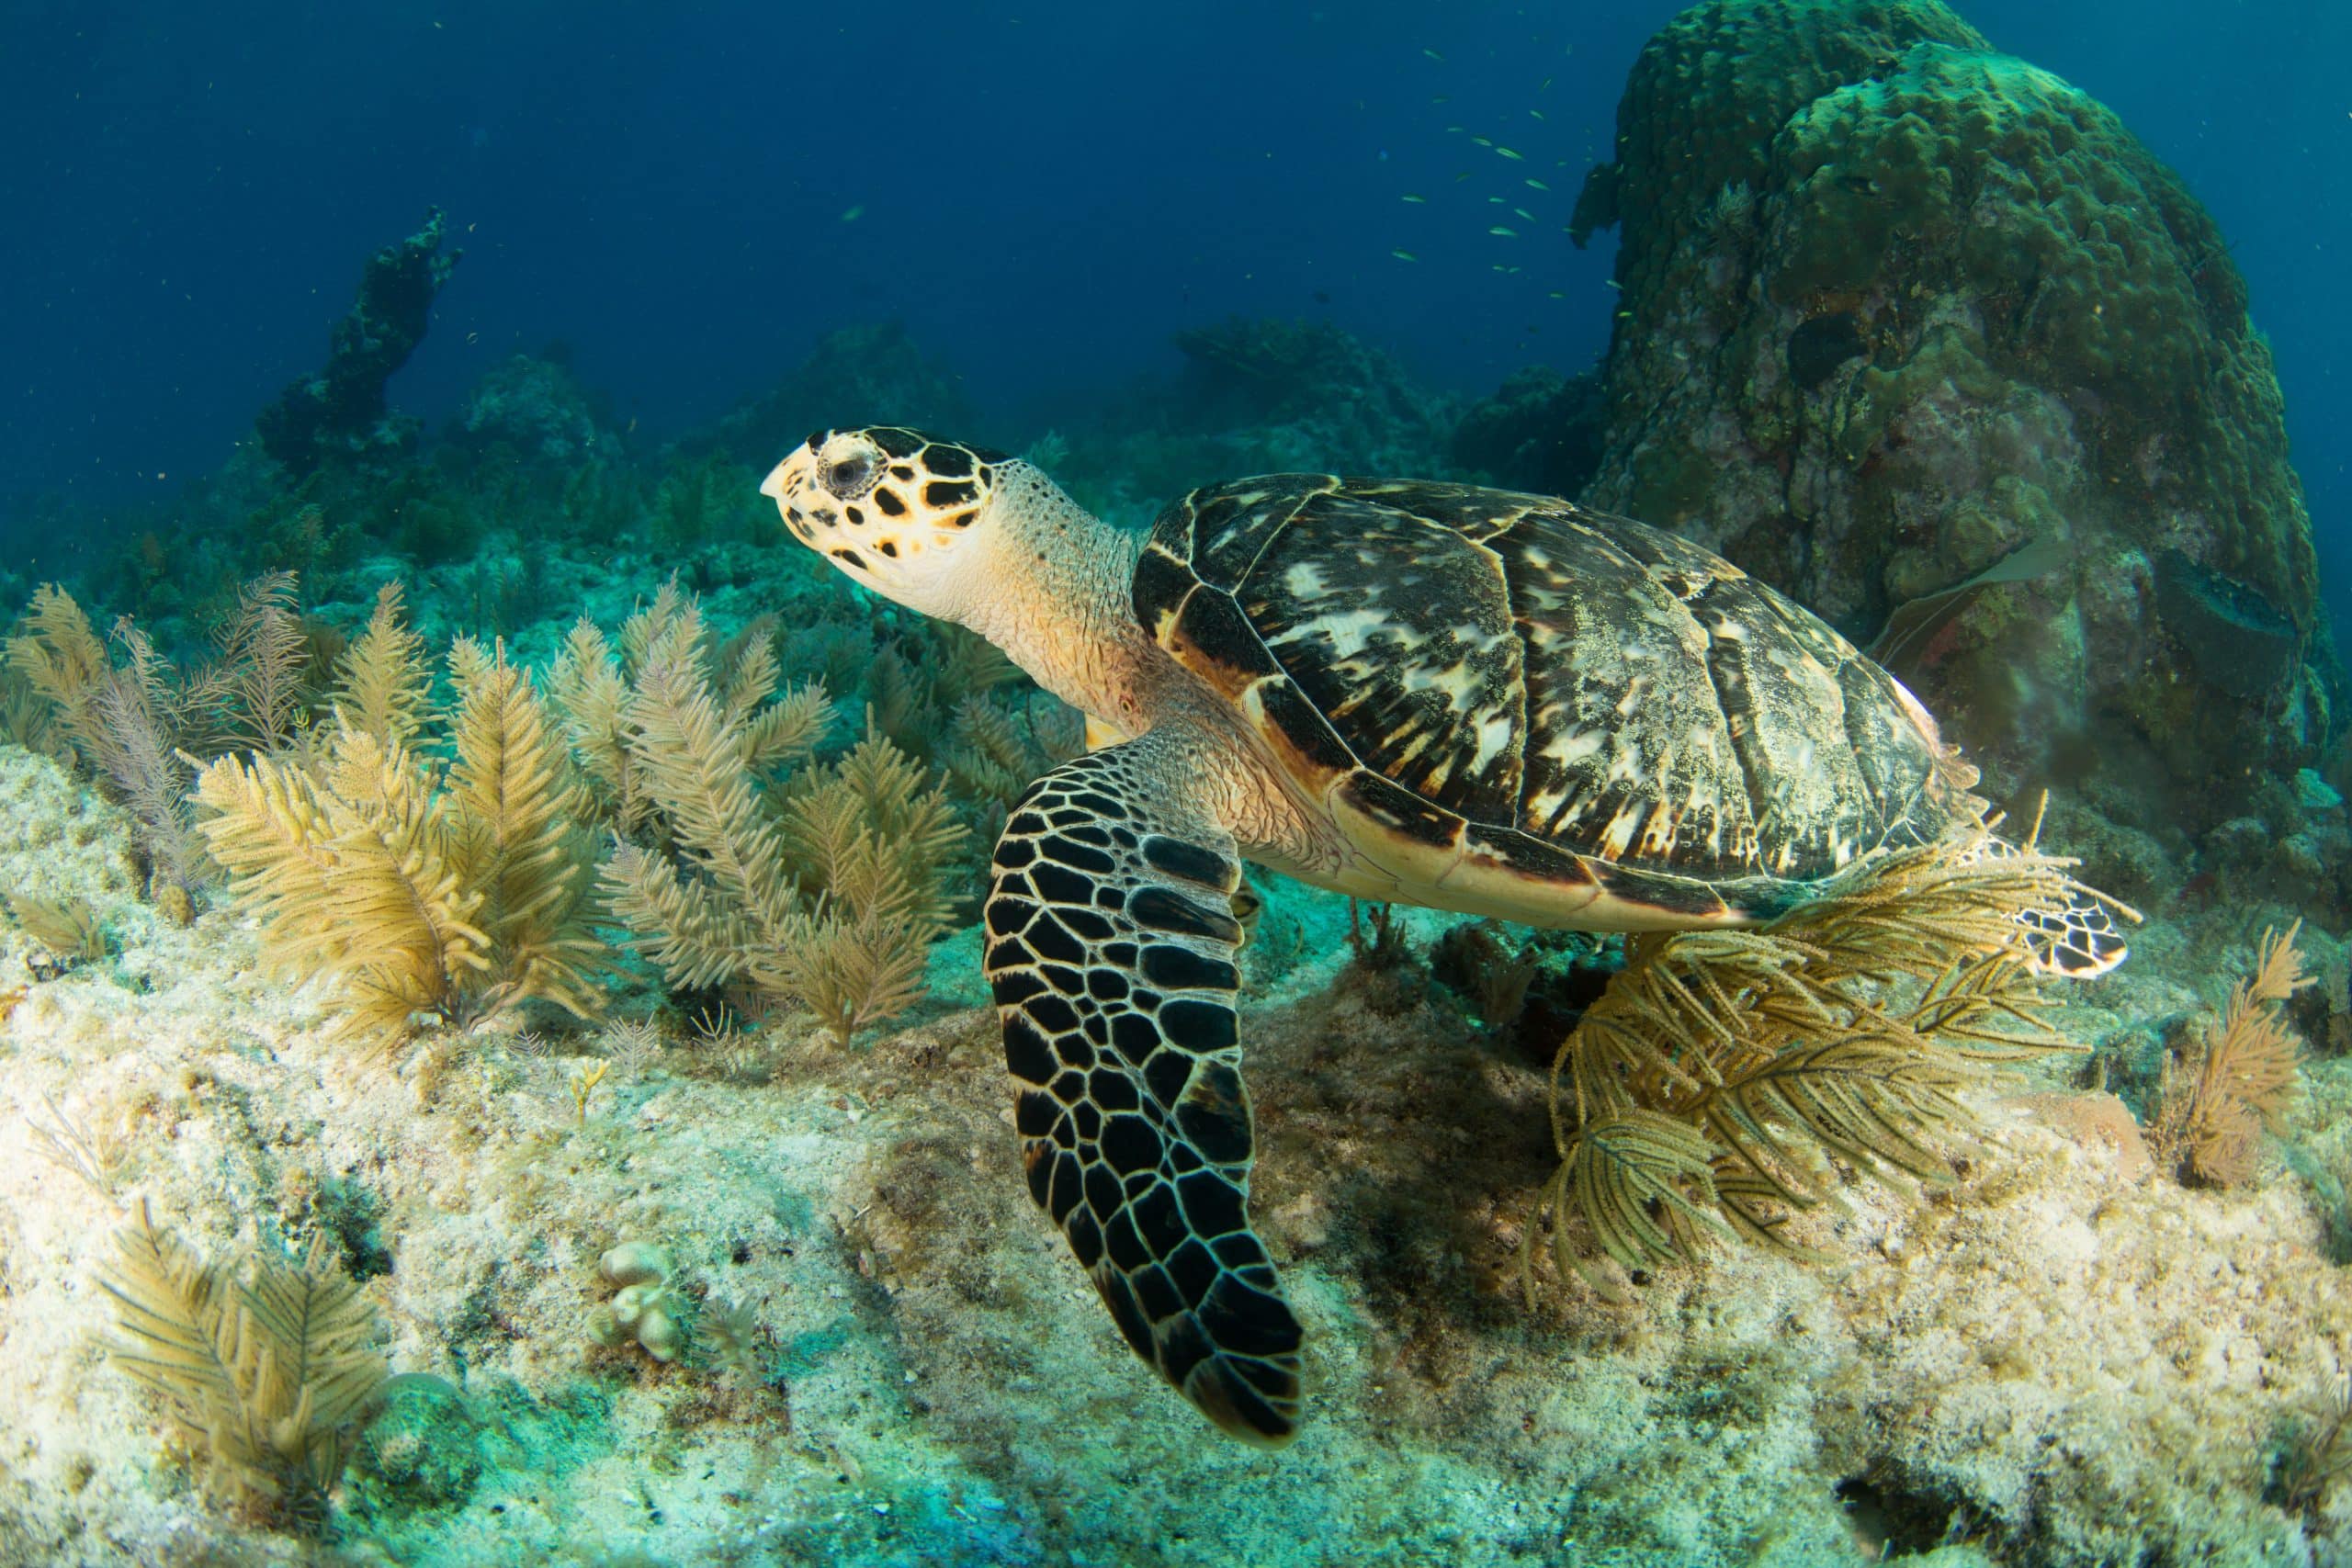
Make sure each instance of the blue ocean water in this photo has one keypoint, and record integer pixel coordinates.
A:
(691, 197)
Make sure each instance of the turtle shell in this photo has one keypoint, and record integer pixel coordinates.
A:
(1534, 705)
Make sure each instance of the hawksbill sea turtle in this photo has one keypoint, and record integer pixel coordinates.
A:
(1499, 704)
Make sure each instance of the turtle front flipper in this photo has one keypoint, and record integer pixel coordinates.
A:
(1110, 948)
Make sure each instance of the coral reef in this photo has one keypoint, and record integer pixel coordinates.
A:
(854, 375)
(1541, 432)
(1255, 395)
(339, 414)
(825, 891)
(1338, 397)
(886, 1360)
(687, 1218)
(533, 410)
(1894, 305)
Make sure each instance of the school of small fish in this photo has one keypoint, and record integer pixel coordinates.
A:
(1509, 155)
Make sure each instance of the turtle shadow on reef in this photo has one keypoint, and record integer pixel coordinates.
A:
(1404, 1147)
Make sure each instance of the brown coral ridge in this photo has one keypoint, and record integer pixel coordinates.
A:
(1708, 1092)
(1896, 306)
(261, 1380)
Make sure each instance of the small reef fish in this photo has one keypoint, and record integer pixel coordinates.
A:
(854, 214)
(1506, 233)
(1434, 55)
(1460, 177)
(1525, 213)
(1537, 113)
(1559, 293)
(1409, 195)
(1482, 142)
(1508, 153)
(1538, 185)
(1405, 255)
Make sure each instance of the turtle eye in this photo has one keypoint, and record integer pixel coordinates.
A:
(850, 476)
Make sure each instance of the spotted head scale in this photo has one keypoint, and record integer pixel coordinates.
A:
(901, 511)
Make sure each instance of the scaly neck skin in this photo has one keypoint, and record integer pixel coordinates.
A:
(1059, 601)
(1055, 591)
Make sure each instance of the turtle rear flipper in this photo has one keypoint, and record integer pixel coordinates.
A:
(2074, 938)
(2077, 940)
(1110, 951)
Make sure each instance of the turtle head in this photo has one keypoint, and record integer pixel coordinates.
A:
(971, 536)
(908, 514)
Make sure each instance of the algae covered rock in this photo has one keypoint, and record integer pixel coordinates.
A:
(1311, 384)
(339, 415)
(854, 374)
(1539, 432)
(534, 411)
(1255, 394)
(1711, 91)
(421, 1446)
(1897, 306)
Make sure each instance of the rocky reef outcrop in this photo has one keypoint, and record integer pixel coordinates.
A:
(1539, 432)
(874, 374)
(1897, 306)
(1254, 395)
(340, 413)
(533, 410)
(1318, 396)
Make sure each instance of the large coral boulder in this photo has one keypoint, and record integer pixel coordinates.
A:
(1896, 307)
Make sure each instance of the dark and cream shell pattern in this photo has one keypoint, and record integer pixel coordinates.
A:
(1543, 707)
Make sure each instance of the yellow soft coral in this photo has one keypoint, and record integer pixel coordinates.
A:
(1700, 1094)
(825, 891)
(421, 900)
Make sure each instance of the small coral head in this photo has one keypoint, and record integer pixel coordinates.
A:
(899, 511)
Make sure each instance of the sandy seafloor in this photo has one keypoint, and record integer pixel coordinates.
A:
(2069, 1359)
